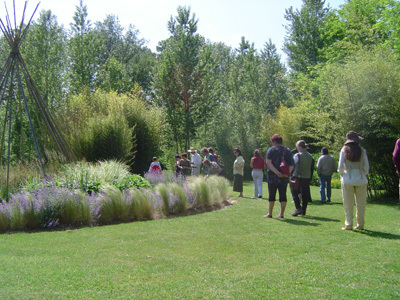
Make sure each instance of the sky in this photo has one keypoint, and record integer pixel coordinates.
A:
(219, 20)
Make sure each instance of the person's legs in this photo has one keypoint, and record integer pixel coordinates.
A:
(255, 181)
(328, 188)
(322, 181)
(305, 193)
(361, 201)
(282, 198)
(271, 198)
(260, 182)
(348, 204)
(296, 199)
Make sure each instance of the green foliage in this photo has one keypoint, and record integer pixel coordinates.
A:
(141, 206)
(180, 197)
(132, 181)
(287, 122)
(162, 190)
(363, 96)
(304, 35)
(104, 125)
(178, 79)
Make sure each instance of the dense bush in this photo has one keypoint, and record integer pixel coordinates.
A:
(100, 125)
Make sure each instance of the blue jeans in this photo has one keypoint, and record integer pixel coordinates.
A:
(325, 180)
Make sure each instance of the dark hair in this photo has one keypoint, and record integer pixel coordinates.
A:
(324, 151)
(204, 150)
(352, 152)
(184, 154)
(277, 138)
(238, 151)
(211, 150)
(177, 156)
(257, 153)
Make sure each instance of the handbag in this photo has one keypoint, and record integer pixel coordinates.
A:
(284, 165)
(294, 183)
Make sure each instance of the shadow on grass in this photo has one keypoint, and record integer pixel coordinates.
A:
(322, 219)
(379, 234)
(298, 222)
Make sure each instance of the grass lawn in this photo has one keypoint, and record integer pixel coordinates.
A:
(231, 253)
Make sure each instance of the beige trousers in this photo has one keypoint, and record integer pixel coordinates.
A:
(359, 194)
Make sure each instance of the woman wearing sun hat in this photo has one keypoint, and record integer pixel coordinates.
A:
(353, 170)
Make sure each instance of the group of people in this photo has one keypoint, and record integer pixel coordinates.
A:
(285, 166)
(208, 165)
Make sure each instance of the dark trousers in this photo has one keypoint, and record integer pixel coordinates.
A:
(281, 188)
(304, 190)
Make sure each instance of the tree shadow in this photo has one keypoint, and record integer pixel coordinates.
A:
(379, 234)
(299, 222)
(322, 219)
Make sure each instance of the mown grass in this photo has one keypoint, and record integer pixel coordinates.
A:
(231, 253)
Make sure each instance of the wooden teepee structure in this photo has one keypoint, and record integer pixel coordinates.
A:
(15, 79)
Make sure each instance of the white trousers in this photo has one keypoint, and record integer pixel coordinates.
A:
(359, 194)
(258, 180)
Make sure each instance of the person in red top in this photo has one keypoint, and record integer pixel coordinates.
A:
(396, 159)
(257, 163)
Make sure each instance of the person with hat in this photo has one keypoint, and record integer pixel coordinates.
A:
(195, 161)
(353, 169)
(302, 171)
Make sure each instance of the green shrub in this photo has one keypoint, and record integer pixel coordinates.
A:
(180, 198)
(132, 181)
(4, 221)
(163, 192)
(141, 207)
(114, 206)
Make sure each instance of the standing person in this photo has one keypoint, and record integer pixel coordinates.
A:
(396, 160)
(211, 150)
(326, 166)
(353, 170)
(277, 180)
(185, 165)
(257, 163)
(302, 172)
(177, 165)
(155, 166)
(195, 161)
(238, 168)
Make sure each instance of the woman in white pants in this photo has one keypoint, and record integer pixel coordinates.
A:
(353, 170)
(257, 163)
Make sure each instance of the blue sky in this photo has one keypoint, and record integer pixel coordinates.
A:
(219, 20)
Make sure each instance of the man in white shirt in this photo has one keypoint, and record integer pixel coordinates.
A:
(195, 160)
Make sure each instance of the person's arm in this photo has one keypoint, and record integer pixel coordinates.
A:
(365, 162)
(251, 162)
(341, 162)
(319, 166)
(271, 167)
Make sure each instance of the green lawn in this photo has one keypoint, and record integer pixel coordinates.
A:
(231, 253)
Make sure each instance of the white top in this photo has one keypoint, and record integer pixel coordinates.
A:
(353, 173)
(195, 159)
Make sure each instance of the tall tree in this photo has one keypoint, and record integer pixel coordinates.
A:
(44, 51)
(83, 51)
(273, 78)
(178, 78)
(304, 34)
(123, 58)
